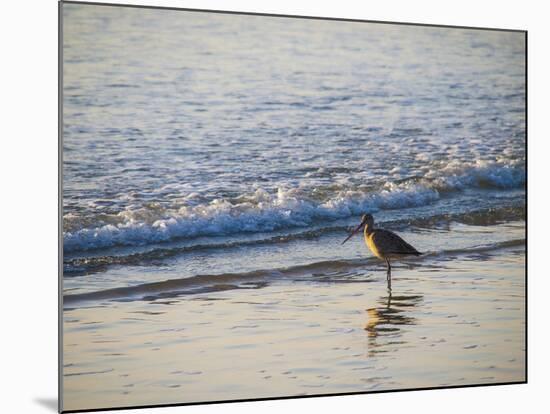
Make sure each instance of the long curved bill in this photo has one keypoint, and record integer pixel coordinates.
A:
(353, 232)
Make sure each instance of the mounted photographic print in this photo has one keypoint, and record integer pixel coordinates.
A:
(258, 206)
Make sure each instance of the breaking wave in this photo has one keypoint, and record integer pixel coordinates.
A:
(262, 211)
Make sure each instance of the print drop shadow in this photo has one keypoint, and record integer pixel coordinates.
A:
(49, 403)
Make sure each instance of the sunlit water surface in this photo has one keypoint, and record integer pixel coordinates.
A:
(212, 165)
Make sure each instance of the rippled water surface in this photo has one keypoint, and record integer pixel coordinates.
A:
(220, 160)
(190, 124)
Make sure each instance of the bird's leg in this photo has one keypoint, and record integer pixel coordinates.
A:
(388, 276)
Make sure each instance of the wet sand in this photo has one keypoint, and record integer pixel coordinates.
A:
(454, 320)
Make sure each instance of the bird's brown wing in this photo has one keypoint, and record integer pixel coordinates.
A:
(390, 243)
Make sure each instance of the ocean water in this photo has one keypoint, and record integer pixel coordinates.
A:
(192, 135)
(212, 166)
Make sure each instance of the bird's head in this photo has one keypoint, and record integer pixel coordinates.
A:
(366, 220)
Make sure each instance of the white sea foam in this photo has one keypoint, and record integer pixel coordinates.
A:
(262, 211)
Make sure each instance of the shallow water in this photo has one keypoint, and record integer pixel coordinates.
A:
(452, 321)
(212, 166)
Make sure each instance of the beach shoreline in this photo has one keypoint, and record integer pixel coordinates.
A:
(453, 320)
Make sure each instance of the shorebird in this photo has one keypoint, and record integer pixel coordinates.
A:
(383, 243)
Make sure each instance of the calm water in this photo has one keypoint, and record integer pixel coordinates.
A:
(453, 321)
(215, 154)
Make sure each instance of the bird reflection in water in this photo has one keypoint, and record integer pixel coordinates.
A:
(386, 321)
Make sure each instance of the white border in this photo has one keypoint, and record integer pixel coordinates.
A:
(29, 202)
